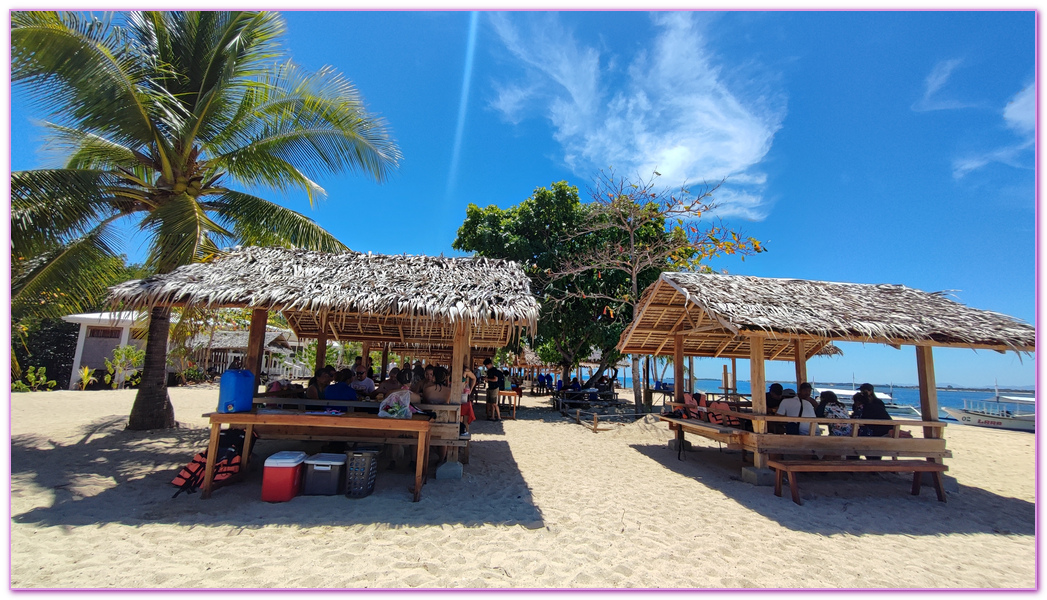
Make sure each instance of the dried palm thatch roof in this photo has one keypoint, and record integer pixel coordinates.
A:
(718, 314)
(237, 340)
(366, 297)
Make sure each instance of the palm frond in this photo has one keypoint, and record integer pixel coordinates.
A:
(259, 222)
(80, 70)
(67, 278)
(182, 233)
(52, 206)
(314, 121)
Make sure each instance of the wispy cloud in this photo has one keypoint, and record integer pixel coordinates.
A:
(668, 109)
(1020, 116)
(936, 80)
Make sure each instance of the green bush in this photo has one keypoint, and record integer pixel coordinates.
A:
(35, 380)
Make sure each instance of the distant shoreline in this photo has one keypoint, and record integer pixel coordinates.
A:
(887, 386)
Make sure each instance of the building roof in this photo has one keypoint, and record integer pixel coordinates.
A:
(107, 319)
(366, 297)
(237, 340)
(719, 314)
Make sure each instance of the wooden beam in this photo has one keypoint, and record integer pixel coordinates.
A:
(816, 348)
(723, 346)
(385, 361)
(255, 343)
(757, 383)
(321, 348)
(639, 310)
(928, 388)
(801, 362)
(678, 384)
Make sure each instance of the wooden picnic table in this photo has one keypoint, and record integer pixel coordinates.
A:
(288, 424)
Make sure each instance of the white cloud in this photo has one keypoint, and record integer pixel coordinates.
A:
(668, 109)
(1020, 116)
(936, 80)
(1020, 112)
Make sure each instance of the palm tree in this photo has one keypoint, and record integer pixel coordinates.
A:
(157, 110)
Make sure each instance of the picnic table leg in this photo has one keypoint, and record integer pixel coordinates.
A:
(794, 487)
(916, 476)
(247, 447)
(939, 486)
(679, 443)
(212, 450)
(778, 482)
(420, 464)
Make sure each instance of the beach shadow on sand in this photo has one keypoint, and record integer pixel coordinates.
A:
(114, 476)
(851, 503)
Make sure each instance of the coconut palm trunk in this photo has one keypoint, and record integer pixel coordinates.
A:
(152, 407)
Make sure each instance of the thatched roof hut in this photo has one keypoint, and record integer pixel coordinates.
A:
(760, 319)
(415, 300)
(719, 314)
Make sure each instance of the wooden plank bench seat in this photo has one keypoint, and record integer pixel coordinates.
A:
(917, 467)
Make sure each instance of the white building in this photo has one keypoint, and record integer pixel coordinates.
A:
(100, 334)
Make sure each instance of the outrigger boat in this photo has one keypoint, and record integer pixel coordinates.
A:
(1017, 413)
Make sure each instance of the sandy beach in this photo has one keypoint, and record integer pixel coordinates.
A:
(544, 503)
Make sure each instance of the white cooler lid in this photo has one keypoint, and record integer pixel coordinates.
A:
(285, 458)
(326, 459)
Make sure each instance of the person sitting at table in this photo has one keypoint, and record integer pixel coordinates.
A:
(363, 384)
(575, 386)
(832, 408)
(873, 408)
(794, 406)
(340, 389)
(389, 385)
(774, 397)
(417, 377)
(318, 384)
(437, 391)
(495, 382)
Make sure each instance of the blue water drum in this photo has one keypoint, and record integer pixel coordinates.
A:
(236, 391)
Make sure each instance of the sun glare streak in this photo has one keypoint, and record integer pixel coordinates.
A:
(463, 103)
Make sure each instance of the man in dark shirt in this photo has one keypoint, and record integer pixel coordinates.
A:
(495, 382)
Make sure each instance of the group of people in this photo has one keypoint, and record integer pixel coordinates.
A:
(865, 405)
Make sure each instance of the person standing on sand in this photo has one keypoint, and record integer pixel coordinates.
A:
(495, 381)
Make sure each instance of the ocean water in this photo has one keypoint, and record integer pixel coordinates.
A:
(901, 395)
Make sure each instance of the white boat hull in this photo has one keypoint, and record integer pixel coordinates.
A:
(969, 417)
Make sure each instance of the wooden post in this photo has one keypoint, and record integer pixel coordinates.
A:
(928, 390)
(459, 348)
(757, 381)
(678, 385)
(596, 421)
(255, 342)
(801, 362)
(321, 346)
(726, 383)
(366, 353)
(690, 374)
(734, 375)
(385, 361)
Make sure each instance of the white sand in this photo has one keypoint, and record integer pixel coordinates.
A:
(544, 502)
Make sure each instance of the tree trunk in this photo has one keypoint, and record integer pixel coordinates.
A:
(637, 396)
(152, 407)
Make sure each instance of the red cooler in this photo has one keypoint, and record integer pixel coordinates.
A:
(282, 476)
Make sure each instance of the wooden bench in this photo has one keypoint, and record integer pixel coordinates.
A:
(917, 467)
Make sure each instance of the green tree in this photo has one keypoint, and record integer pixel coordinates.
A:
(157, 112)
(538, 233)
(637, 230)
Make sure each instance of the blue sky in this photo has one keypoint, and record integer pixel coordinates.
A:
(871, 147)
